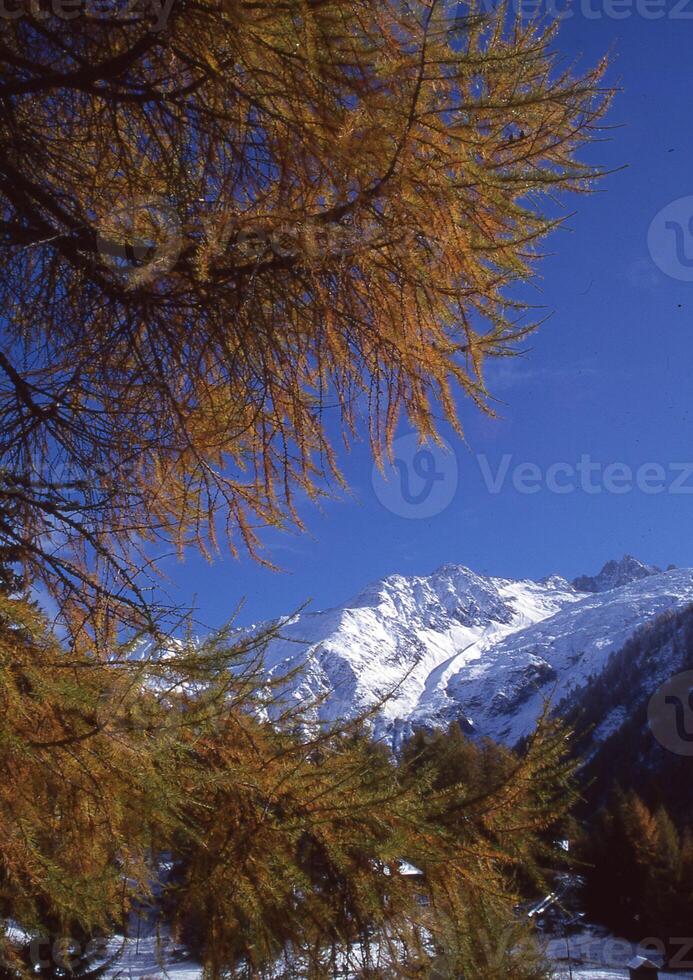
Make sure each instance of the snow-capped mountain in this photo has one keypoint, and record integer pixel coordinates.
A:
(614, 574)
(455, 645)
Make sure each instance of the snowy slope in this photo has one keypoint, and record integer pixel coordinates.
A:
(455, 645)
(558, 656)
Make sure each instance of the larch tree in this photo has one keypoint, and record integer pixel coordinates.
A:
(270, 848)
(638, 870)
(217, 222)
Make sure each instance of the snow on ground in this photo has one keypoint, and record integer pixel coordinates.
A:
(146, 960)
(595, 954)
(605, 973)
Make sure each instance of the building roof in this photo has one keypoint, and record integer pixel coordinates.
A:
(642, 963)
(409, 870)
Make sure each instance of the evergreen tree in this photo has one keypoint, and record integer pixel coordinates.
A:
(210, 233)
(286, 838)
(638, 876)
(214, 230)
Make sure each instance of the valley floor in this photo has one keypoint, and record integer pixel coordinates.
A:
(594, 955)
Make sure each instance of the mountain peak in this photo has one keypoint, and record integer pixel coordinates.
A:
(451, 592)
(615, 574)
(456, 646)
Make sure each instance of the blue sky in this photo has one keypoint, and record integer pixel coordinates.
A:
(609, 377)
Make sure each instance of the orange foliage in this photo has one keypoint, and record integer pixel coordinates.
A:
(215, 232)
